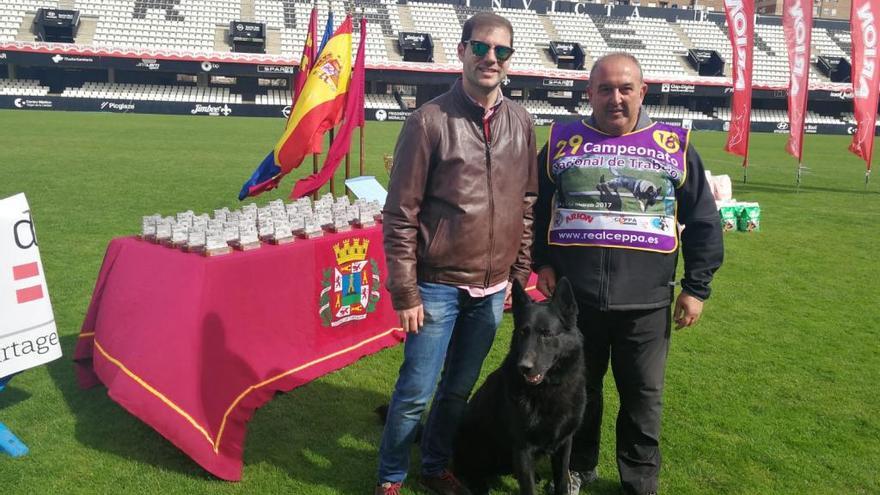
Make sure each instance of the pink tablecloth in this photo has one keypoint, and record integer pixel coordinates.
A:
(193, 345)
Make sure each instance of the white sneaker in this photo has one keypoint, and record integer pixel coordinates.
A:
(576, 479)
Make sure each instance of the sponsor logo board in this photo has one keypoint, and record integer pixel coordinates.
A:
(213, 110)
(117, 106)
(58, 58)
(275, 69)
(28, 103)
(148, 63)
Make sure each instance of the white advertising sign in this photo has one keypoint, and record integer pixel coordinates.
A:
(28, 336)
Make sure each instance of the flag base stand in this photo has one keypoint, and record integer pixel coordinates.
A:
(9, 443)
(801, 171)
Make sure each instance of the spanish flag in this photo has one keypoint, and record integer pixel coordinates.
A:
(353, 117)
(317, 109)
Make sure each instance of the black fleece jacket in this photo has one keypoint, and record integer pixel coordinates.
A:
(615, 279)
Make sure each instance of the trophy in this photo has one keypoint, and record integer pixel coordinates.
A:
(325, 218)
(297, 225)
(304, 204)
(230, 233)
(163, 232)
(340, 223)
(376, 208)
(148, 229)
(221, 213)
(365, 218)
(200, 222)
(282, 233)
(353, 213)
(185, 217)
(196, 241)
(248, 238)
(215, 223)
(312, 228)
(266, 229)
(215, 244)
(179, 236)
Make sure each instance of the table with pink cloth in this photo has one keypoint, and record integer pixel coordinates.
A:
(193, 345)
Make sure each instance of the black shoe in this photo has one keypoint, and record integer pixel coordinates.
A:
(444, 483)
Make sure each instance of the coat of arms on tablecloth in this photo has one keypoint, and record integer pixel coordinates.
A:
(350, 289)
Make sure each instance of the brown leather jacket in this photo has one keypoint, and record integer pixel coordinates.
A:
(459, 208)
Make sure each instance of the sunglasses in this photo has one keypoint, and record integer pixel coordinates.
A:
(480, 49)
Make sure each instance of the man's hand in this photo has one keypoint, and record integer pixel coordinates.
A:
(687, 310)
(508, 291)
(546, 281)
(412, 319)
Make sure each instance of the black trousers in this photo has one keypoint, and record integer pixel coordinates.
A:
(636, 343)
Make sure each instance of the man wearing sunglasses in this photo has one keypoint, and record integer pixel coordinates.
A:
(616, 186)
(457, 231)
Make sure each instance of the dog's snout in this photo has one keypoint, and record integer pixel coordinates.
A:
(526, 363)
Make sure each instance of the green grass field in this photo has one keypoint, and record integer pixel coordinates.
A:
(774, 392)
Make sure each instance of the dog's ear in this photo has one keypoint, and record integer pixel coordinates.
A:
(519, 299)
(564, 302)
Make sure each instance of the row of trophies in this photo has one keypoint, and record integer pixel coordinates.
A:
(247, 228)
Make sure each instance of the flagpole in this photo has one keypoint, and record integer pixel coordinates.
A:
(332, 182)
(363, 124)
(361, 170)
(799, 169)
(348, 153)
(315, 171)
(745, 169)
(867, 178)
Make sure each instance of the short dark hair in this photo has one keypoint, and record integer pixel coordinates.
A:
(609, 56)
(485, 19)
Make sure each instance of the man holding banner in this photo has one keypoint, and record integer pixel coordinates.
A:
(612, 192)
(457, 227)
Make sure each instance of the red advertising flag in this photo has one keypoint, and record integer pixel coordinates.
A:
(741, 26)
(865, 75)
(797, 23)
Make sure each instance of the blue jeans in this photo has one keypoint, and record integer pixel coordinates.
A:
(457, 335)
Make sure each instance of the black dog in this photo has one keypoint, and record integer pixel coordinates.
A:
(533, 403)
(645, 192)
